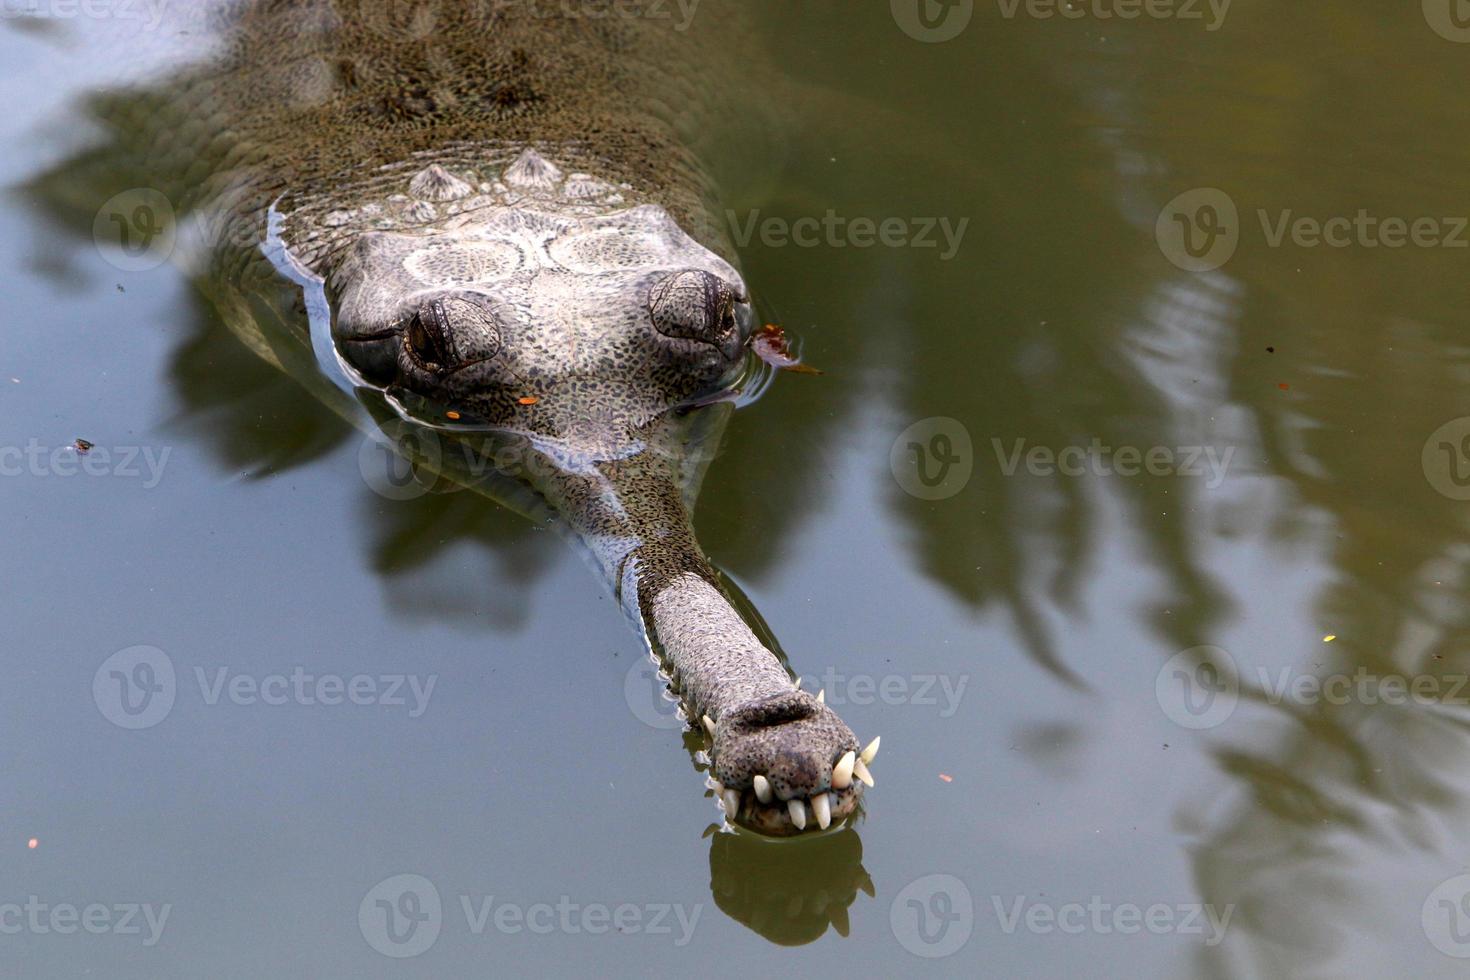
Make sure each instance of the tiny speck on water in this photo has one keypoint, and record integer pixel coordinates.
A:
(83, 446)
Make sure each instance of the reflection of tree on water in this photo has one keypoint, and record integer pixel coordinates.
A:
(1340, 363)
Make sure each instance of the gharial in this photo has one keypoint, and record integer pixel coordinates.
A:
(509, 210)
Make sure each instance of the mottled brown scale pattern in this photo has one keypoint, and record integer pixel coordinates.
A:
(512, 214)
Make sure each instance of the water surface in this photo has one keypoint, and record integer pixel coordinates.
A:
(1069, 783)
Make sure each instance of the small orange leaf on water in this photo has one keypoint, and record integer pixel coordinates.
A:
(452, 416)
(527, 400)
(1284, 386)
(770, 345)
(946, 777)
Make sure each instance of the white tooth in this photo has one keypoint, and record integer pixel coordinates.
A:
(797, 809)
(709, 726)
(823, 810)
(872, 750)
(798, 683)
(861, 772)
(732, 803)
(822, 696)
(842, 772)
(763, 789)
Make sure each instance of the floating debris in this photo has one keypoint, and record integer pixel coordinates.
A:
(946, 777)
(83, 446)
(1329, 637)
(527, 400)
(770, 345)
(453, 416)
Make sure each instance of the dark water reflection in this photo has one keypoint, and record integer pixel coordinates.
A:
(1322, 371)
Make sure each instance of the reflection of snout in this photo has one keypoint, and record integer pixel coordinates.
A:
(788, 892)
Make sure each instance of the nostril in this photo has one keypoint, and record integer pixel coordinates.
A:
(777, 709)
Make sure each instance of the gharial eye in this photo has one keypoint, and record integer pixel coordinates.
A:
(428, 334)
(693, 306)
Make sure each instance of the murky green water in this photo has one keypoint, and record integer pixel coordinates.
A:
(1191, 438)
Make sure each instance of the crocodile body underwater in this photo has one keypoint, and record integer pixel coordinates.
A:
(510, 210)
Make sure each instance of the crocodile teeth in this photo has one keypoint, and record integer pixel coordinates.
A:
(871, 751)
(797, 809)
(763, 789)
(861, 772)
(709, 726)
(798, 683)
(842, 772)
(822, 696)
(823, 810)
(732, 803)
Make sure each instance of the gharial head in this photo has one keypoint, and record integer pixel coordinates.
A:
(547, 308)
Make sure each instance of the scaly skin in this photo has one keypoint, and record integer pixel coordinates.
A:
(513, 213)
